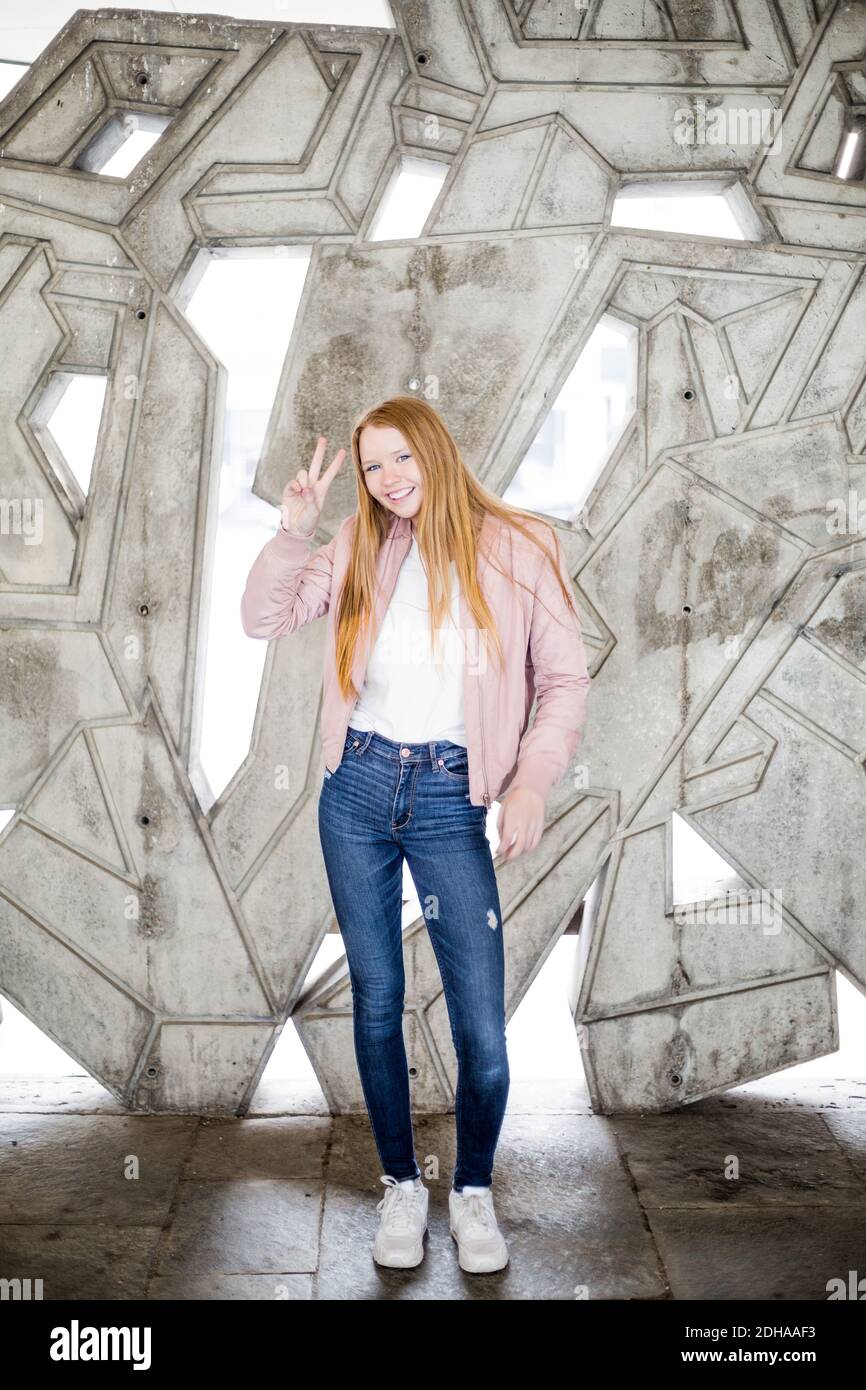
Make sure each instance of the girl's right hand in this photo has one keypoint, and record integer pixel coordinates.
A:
(304, 497)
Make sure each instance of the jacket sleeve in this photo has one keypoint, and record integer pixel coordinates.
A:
(287, 585)
(562, 684)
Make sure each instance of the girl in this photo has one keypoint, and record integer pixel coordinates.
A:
(448, 612)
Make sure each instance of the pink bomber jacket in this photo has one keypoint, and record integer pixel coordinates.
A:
(543, 653)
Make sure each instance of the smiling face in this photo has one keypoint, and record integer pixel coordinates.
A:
(390, 472)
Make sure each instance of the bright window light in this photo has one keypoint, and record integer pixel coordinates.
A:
(408, 199)
(134, 149)
(122, 142)
(10, 73)
(677, 210)
(584, 424)
(242, 303)
(26, 1051)
(540, 1034)
(74, 424)
(851, 158)
(699, 873)
(66, 423)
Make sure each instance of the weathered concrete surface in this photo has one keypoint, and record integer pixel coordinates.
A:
(164, 947)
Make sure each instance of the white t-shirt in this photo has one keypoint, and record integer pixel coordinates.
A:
(406, 696)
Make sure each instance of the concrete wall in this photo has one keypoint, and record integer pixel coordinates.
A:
(725, 619)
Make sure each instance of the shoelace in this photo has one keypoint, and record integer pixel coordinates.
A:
(478, 1212)
(398, 1205)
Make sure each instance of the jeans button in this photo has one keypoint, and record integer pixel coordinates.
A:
(404, 752)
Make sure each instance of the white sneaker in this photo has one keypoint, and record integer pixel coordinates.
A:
(480, 1244)
(399, 1240)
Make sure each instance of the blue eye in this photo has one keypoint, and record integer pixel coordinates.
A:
(400, 457)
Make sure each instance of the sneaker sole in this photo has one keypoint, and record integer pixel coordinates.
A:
(407, 1261)
(479, 1264)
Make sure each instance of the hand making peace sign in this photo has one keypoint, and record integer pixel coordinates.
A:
(304, 496)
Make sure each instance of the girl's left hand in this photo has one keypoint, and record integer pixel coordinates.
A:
(521, 822)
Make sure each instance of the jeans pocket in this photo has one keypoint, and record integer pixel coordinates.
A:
(455, 763)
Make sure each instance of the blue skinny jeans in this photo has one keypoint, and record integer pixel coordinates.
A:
(388, 801)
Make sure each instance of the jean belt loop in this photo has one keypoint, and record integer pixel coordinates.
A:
(432, 746)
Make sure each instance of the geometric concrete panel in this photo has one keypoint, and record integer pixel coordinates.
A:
(165, 947)
(684, 1049)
